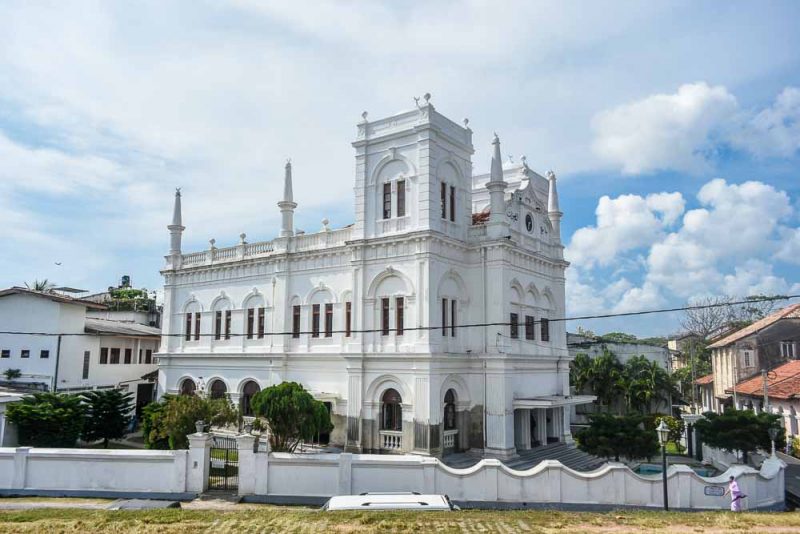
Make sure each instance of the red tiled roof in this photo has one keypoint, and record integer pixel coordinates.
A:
(480, 218)
(703, 380)
(789, 312)
(783, 382)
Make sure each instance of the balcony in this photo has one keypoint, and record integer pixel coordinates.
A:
(391, 440)
(450, 438)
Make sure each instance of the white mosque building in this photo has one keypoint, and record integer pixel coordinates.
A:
(424, 326)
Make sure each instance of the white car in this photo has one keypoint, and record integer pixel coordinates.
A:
(390, 501)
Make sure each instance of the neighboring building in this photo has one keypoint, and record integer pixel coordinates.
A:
(594, 346)
(783, 394)
(128, 304)
(765, 344)
(705, 390)
(58, 346)
(367, 317)
(8, 434)
(624, 351)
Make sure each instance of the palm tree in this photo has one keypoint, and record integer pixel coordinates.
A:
(43, 286)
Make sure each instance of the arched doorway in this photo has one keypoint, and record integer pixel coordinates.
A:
(450, 439)
(218, 389)
(188, 387)
(391, 431)
(249, 389)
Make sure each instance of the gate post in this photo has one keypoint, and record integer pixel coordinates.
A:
(247, 464)
(199, 462)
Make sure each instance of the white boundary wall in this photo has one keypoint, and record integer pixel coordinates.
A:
(302, 476)
(25, 470)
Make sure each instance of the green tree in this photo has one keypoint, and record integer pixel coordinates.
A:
(44, 285)
(581, 373)
(292, 415)
(12, 374)
(181, 412)
(108, 414)
(676, 428)
(153, 431)
(608, 380)
(646, 383)
(48, 419)
(612, 436)
(740, 430)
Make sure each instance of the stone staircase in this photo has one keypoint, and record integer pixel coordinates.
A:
(569, 455)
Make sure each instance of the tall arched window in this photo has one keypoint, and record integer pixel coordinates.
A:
(188, 387)
(218, 389)
(449, 410)
(391, 410)
(249, 389)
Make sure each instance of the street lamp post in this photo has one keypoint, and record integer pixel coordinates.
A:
(773, 433)
(663, 433)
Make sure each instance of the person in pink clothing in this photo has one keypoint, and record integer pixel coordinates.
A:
(736, 495)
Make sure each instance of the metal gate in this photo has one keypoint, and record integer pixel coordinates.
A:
(224, 470)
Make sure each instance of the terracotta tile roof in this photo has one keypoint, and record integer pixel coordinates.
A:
(480, 218)
(783, 382)
(703, 380)
(789, 312)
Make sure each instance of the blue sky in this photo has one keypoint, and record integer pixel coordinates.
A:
(674, 128)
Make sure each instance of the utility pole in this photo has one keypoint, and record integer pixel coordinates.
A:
(694, 386)
(735, 377)
(766, 390)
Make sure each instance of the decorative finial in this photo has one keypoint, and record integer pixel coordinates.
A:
(511, 159)
(211, 242)
(364, 115)
(416, 102)
(325, 222)
(178, 191)
(427, 97)
(496, 139)
(466, 123)
(524, 160)
(551, 175)
(242, 236)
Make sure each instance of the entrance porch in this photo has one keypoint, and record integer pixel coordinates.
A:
(542, 421)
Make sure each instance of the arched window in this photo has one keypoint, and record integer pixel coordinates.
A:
(449, 410)
(249, 389)
(218, 389)
(391, 411)
(188, 387)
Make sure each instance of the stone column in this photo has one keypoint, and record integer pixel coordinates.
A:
(247, 464)
(566, 431)
(524, 430)
(541, 426)
(499, 419)
(199, 462)
(353, 440)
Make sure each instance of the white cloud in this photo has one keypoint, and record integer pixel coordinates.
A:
(663, 131)
(716, 249)
(774, 131)
(683, 131)
(624, 223)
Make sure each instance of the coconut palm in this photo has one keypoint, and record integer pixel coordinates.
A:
(43, 286)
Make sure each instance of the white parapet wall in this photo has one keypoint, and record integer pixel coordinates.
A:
(34, 471)
(301, 475)
(284, 477)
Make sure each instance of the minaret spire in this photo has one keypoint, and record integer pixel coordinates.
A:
(176, 228)
(287, 204)
(497, 191)
(553, 211)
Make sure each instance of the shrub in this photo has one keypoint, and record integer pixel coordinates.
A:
(740, 430)
(48, 419)
(108, 414)
(612, 436)
(292, 415)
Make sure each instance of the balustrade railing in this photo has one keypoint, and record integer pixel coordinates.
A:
(450, 438)
(391, 440)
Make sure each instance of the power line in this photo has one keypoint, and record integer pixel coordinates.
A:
(448, 328)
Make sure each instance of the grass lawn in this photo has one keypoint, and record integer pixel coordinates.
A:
(285, 519)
